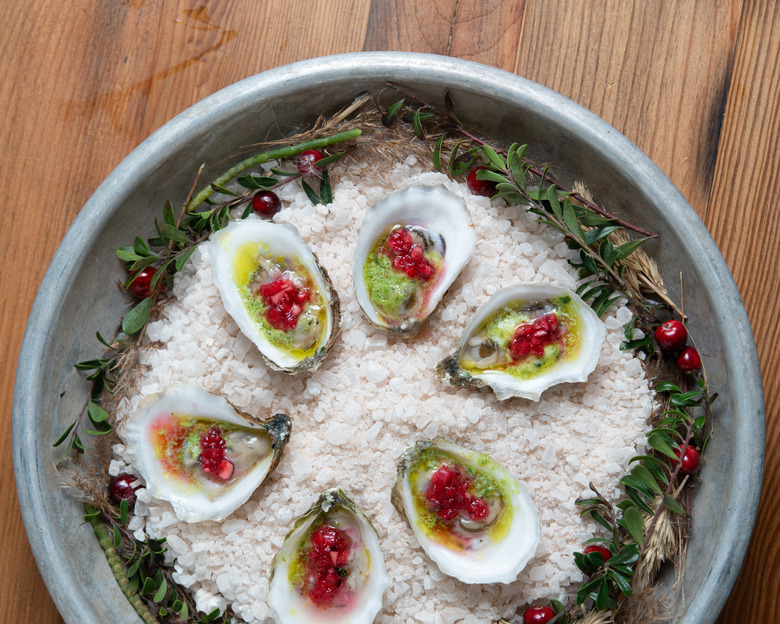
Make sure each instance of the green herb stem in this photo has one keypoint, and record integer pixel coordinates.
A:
(115, 561)
(274, 154)
(543, 176)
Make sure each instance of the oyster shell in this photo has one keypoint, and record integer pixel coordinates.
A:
(525, 339)
(487, 532)
(412, 245)
(196, 451)
(330, 567)
(275, 289)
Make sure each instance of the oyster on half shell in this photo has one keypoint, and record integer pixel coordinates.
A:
(330, 567)
(412, 245)
(196, 451)
(525, 339)
(275, 289)
(474, 519)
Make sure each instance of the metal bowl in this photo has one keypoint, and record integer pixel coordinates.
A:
(77, 295)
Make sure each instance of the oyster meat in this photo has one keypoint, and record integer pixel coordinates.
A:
(525, 339)
(275, 289)
(196, 451)
(330, 567)
(412, 245)
(474, 519)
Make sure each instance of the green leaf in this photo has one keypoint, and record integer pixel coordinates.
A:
(285, 174)
(628, 248)
(570, 219)
(417, 123)
(161, 591)
(667, 386)
(628, 554)
(392, 111)
(138, 265)
(135, 320)
(311, 194)
(644, 475)
(453, 160)
(96, 413)
(601, 520)
(221, 189)
(175, 234)
(514, 161)
(622, 583)
(124, 508)
(127, 254)
(657, 442)
(510, 194)
(252, 181)
(634, 524)
(494, 157)
(673, 505)
(586, 589)
(134, 567)
(557, 605)
(437, 153)
(184, 611)
(64, 434)
(140, 246)
(487, 174)
(149, 586)
(593, 236)
(602, 597)
(324, 162)
(78, 443)
(326, 191)
(637, 500)
(636, 484)
(168, 215)
(117, 537)
(182, 259)
(685, 399)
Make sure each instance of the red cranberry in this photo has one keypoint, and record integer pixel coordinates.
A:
(538, 615)
(142, 284)
(266, 203)
(307, 162)
(120, 488)
(599, 549)
(486, 188)
(690, 461)
(689, 360)
(671, 336)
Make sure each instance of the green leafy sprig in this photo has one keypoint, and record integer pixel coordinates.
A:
(139, 568)
(654, 484)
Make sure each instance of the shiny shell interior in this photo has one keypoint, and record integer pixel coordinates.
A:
(399, 286)
(196, 452)
(525, 339)
(275, 289)
(485, 534)
(330, 567)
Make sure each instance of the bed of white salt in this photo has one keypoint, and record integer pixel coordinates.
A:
(375, 395)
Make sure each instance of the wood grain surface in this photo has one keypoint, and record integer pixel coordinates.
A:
(696, 85)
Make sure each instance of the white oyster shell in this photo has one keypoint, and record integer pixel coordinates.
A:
(491, 551)
(238, 250)
(172, 471)
(445, 222)
(360, 598)
(482, 358)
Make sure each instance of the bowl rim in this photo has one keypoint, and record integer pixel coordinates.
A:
(29, 461)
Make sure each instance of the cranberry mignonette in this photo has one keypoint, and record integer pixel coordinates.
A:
(330, 564)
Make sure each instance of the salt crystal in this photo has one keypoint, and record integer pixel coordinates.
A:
(374, 372)
(338, 434)
(325, 476)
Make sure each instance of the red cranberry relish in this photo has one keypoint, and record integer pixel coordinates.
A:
(327, 565)
(284, 301)
(212, 455)
(534, 337)
(407, 256)
(448, 496)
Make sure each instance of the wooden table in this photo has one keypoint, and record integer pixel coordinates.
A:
(694, 84)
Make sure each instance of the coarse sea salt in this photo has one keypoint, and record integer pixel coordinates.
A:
(375, 394)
